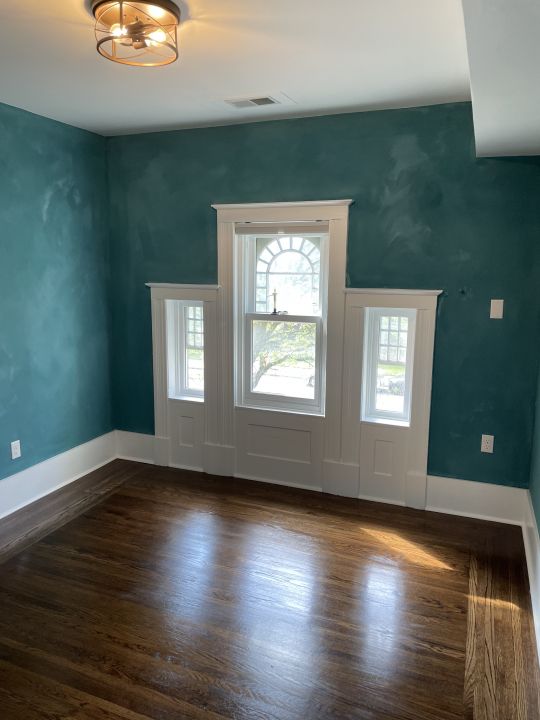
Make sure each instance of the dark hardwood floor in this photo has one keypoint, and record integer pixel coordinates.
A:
(181, 596)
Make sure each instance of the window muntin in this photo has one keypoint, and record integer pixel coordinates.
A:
(185, 343)
(193, 348)
(280, 356)
(290, 267)
(388, 360)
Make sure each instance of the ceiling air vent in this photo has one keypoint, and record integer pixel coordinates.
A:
(253, 102)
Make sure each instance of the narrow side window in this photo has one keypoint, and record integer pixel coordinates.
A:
(388, 365)
(185, 349)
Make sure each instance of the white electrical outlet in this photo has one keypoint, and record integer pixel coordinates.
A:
(487, 443)
(15, 449)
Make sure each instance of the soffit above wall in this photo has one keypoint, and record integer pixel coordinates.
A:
(504, 58)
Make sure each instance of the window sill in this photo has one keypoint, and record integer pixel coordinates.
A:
(283, 411)
(386, 421)
(186, 398)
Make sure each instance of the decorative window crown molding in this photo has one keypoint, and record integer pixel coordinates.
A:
(307, 211)
(179, 286)
(391, 291)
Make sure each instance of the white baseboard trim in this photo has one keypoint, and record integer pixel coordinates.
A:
(136, 446)
(296, 486)
(219, 459)
(483, 501)
(531, 540)
(340, 478)
(191, 468)
(37, 481)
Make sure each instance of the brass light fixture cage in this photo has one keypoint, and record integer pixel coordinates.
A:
(143, 34)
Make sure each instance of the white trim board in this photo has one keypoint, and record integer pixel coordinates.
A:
(37, 481)
(531, 540)
(177, 286)
(135, 446)
(467, 498)
(272, 205)
(391, 291)
(484, 501)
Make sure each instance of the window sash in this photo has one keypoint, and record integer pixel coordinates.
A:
(281, 402)
(178, 349)
(250, 267)
(245, 314)
(369, 411)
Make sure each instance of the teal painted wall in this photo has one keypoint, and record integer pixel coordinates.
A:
(54, 313)
(427, 213)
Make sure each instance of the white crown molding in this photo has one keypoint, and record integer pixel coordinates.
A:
(390, 291)
(302, 203)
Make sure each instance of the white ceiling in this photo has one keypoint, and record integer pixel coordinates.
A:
(326, 57)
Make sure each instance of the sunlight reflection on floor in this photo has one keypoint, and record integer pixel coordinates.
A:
(410, 551)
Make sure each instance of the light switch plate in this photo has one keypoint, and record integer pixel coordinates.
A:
(497, 309)
(15, 449)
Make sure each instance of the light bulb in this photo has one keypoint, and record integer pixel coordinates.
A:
(156, 12)
(118, 31)
(158, 36)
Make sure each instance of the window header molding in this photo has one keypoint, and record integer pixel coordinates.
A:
(308, 211)
(177, 286)
(390, 291)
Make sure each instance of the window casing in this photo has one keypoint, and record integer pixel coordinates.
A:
(388, 365)
(185, 349)
(281, 293)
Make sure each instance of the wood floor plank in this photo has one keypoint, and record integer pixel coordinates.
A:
(179, 595)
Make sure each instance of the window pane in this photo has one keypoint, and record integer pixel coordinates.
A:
(194, 348)
(390, 390)
(292, 271)
(195, 369)
(283, 358)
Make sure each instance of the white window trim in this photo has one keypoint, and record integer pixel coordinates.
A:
(176, 351)
(336, 214)
(371, 356)
(207, 294)
(425, 303)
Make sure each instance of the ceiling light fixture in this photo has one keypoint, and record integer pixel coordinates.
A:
(143, 34)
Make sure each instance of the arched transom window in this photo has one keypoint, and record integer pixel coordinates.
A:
(288, 270)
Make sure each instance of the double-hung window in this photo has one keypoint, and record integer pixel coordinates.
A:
(281, 318)
(185, 333)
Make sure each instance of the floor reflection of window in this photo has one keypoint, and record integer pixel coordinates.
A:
(191, 563)
(380, 607)
(278, 592)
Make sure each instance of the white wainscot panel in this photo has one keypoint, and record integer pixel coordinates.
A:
(186, 429)
(283, 448)
(383, 462)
